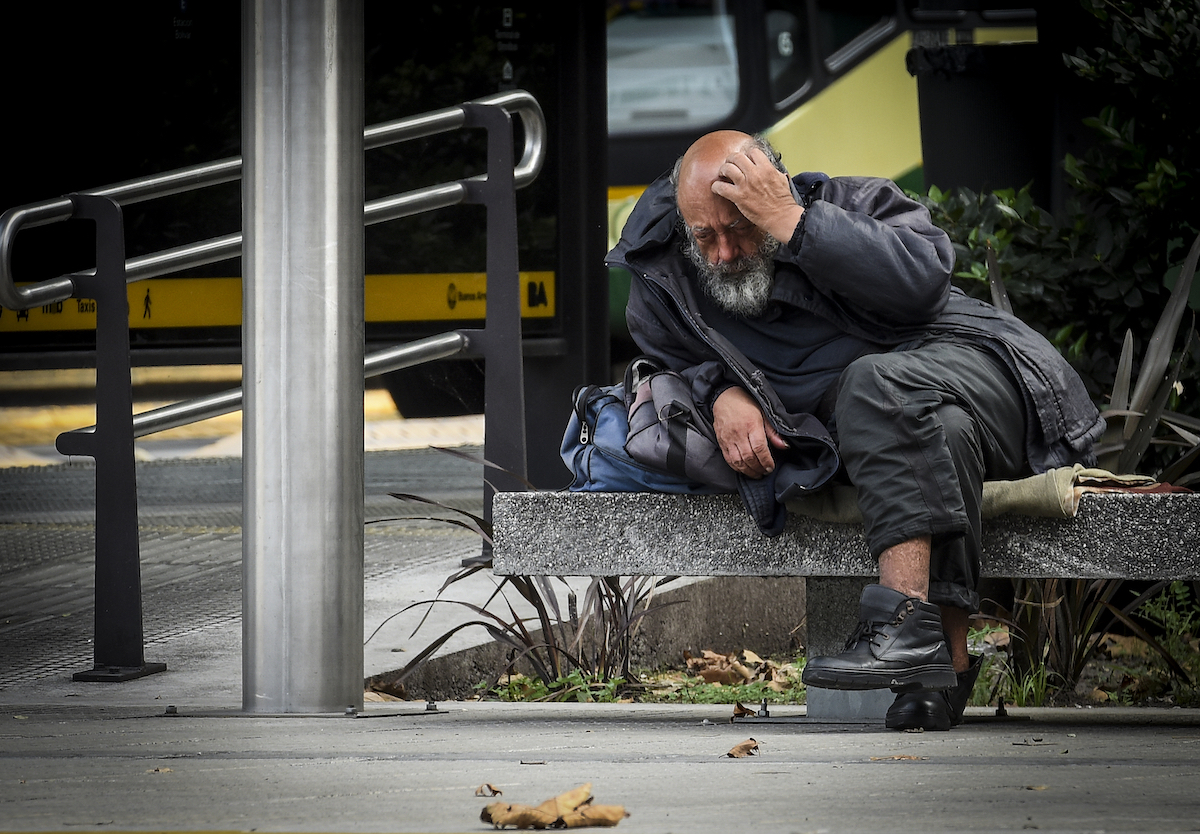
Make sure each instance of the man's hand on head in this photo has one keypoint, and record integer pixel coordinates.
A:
(744, 436)
(760, 191)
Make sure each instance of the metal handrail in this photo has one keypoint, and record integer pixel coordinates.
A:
(191, 411)
(516, 102)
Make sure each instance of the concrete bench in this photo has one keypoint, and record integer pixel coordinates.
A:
(1113, 535)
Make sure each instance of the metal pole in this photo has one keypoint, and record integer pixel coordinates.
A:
(303, 356)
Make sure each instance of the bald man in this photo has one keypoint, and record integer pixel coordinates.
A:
(810, 309)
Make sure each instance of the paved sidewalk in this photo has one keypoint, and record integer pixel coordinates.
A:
(171, 751)
(114, 760)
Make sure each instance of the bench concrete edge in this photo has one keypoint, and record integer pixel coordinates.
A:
(1118, 535)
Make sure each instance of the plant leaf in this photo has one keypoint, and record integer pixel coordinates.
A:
(1174, 473)
(1149, 640)
(484, 461)
(1158, 354)
(1131, 455)
(482, 523)
(749, 747)
(1000, 298)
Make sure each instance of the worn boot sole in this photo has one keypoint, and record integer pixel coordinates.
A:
(908, 679)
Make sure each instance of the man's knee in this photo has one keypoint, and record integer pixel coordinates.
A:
(861, 378)
(866, 396)
(961, 433)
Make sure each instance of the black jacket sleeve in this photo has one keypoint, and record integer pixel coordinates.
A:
(869, 247)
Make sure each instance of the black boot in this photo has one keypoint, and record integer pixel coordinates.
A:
(934, 710)
(898, 645)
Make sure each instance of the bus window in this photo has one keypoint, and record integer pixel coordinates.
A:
(788, 55)
(672, 66)
(841, 21)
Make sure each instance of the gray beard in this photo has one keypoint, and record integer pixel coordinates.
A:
(742, 287)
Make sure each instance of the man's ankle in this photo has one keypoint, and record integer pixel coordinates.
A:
(905, 568)
(955, 624)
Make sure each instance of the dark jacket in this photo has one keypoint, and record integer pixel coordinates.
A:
(869, 259)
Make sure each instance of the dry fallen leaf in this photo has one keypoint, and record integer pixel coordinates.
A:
(567, 802)
(998, 638)
(502, 815)
(899, 758)
(572, 809)
(599, 816)
(719, 668)
(488, 789)
(1035, 787)
(740, 711)
(740, 751)
(728, 669)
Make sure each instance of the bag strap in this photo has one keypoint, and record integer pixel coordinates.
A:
(677, 437)
(640, 368)
(581, 395)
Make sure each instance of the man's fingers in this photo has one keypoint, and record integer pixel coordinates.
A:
(731, 170)
(760, 447)
(777, 440)
(752, 457)
(742, 433)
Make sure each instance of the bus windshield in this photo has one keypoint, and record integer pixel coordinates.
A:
(671, 66)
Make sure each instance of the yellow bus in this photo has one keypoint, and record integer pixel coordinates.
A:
(829, 82)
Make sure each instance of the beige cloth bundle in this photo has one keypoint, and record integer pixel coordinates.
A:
(1053, 494)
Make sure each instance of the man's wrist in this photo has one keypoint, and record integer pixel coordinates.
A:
(783, 226)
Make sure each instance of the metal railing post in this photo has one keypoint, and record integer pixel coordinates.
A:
(504, 380)
(118, 629)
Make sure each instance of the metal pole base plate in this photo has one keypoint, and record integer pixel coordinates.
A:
(118, 674)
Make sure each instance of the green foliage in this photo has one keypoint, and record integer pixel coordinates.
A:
(999, 678)
(581, 653)
(1052, 277)
(1035, 262)
(1010, 250)
(697, 691)
(576, 686)
(1058, 626)
(1135, 205)
(1174, 615)
(584, 654)
(1137, 181)
(1029, 689)
(988, 684)
(1102, 269)
(661, 687)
